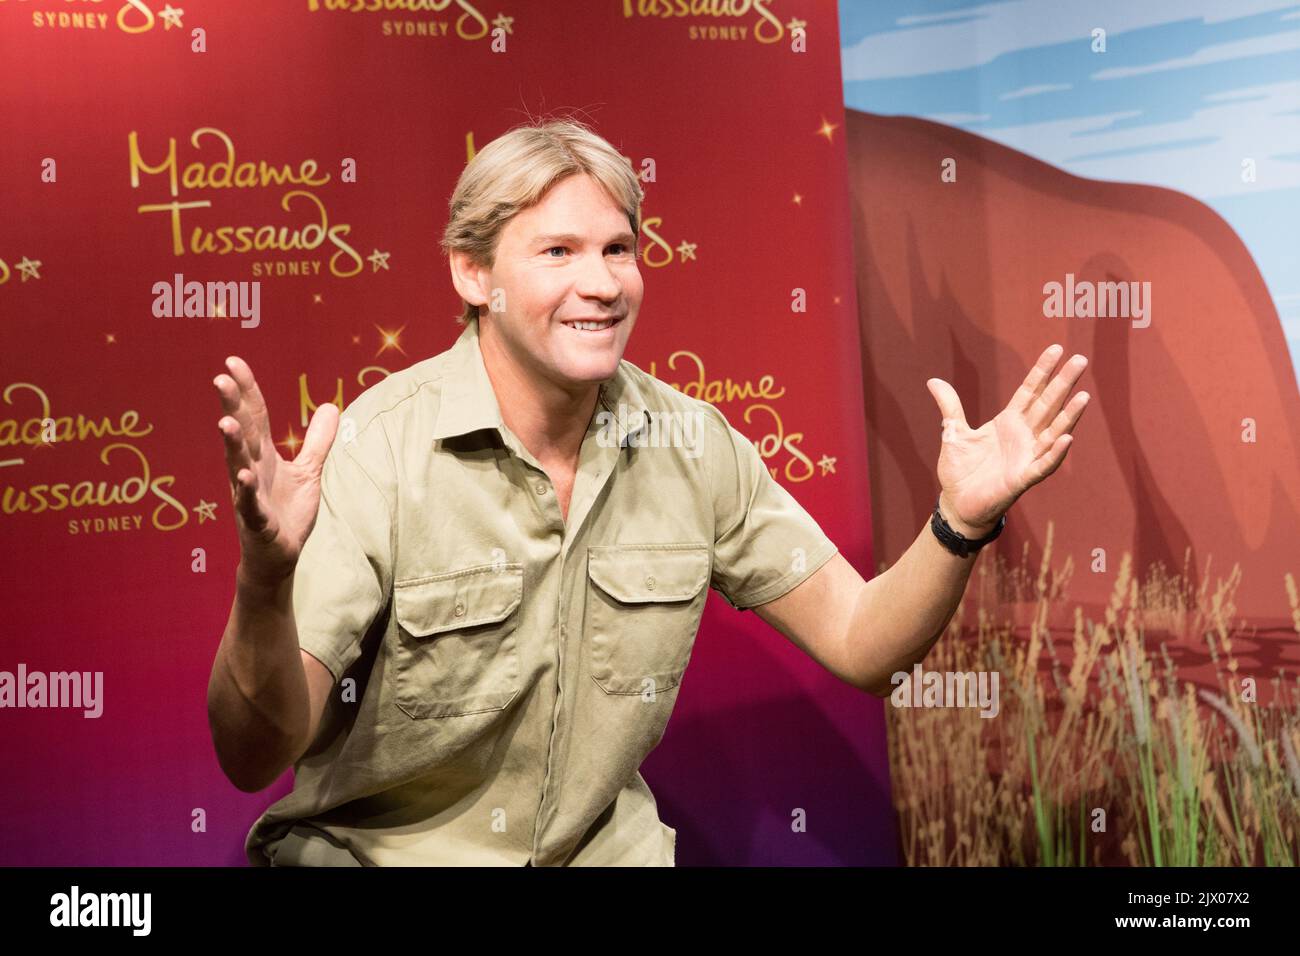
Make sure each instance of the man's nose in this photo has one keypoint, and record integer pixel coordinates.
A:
(597, 280)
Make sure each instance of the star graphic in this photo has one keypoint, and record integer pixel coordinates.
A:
(391, 340)
(827, 465)
(686, 250)
(378, 260)
(827, 129)
(292, 442)
(206, 510)
(29, 267)
(110, 337)
(315, 298)
(795, 24)
(798, 200)
(171, 17)
(504, 22)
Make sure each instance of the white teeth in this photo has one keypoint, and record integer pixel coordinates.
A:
(591, 326)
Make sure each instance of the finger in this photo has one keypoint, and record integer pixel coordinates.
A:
(246, 503)
(320, 435)
(1048, 463)
(1033, 384)
(945, 396)
(1049, 402)
(236, 450)
(1063, 424)
(259, 431)
(233, 404)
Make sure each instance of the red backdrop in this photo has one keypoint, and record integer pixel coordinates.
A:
(102, 527)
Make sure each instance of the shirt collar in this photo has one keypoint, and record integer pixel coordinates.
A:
(469, 404)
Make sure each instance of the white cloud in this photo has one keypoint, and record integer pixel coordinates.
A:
(1036, 90)
(1000, 28)
(1240, 129)
(1218, 53)
(920, 18)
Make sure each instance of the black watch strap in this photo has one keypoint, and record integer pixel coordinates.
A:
(955, 541)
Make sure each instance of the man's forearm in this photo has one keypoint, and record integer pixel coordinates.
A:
(904, 610)
(257, 694)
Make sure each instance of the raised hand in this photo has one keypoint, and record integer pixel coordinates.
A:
(983, 471)
(275, 500)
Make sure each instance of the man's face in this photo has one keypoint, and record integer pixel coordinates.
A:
(570, 258)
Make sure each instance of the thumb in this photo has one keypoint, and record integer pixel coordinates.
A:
(945, 397)
(320, 436)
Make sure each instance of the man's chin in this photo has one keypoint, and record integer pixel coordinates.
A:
(590, 370)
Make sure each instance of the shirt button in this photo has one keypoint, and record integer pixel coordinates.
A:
(650, 581)
(460, 610)
(541, 488)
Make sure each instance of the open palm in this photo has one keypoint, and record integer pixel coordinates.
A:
(276, 500)
(982, 471)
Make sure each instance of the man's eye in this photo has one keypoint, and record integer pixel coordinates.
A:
(553, 248)
(622, 249)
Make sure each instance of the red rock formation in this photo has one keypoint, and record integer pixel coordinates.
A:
(951, 282)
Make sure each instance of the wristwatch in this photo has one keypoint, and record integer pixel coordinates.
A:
(955, 541)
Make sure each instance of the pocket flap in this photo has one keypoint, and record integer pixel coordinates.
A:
(640, 573)
(458, 599)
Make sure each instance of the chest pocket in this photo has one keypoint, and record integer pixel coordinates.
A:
(455, 650)
(644, 604)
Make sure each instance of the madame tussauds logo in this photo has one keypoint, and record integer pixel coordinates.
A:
(767, 28)
(133, 16)
(470, 25)
(223, 172)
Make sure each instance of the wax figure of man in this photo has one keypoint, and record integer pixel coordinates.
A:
(463, 611)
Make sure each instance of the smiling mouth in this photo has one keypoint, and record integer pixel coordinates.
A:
(600, 326)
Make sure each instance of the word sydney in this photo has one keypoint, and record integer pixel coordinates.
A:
(212, 300)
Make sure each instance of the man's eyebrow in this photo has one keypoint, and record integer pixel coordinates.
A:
(570, 239)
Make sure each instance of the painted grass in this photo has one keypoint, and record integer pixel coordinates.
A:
(1113, 761)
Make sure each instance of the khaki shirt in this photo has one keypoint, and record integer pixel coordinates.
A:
(507, 671)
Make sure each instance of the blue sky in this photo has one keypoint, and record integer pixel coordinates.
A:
(1185, 90)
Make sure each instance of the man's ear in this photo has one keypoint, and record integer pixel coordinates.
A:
(469, 278)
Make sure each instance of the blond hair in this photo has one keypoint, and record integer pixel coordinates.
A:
(516, 170)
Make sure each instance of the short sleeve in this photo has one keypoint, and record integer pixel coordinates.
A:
(344, 572)
(765, 543)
